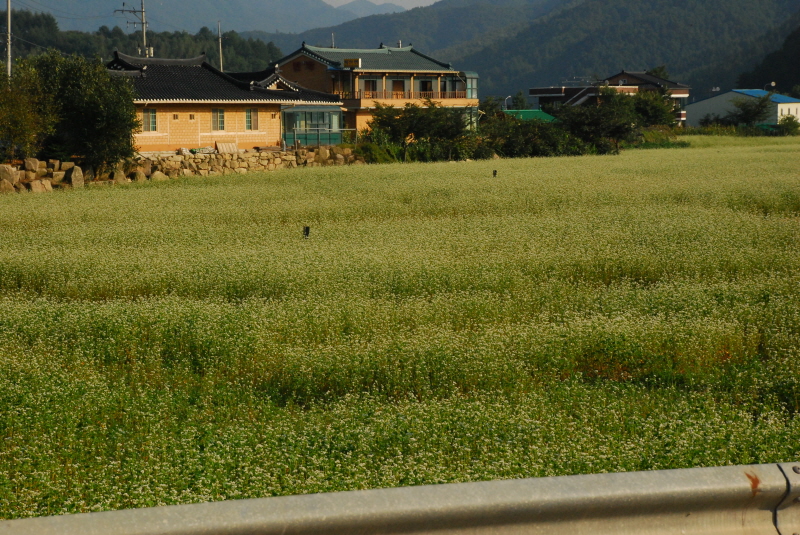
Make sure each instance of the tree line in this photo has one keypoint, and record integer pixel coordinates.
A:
(432, 133)
(34, 33)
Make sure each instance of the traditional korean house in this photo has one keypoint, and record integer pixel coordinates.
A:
(188, 103)
(362, 78)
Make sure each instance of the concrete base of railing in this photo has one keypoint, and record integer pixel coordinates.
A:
(756, 499)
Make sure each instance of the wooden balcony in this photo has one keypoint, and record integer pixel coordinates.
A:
(401, 95)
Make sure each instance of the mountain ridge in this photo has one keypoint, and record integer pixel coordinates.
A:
(172, 15)
(517, 44)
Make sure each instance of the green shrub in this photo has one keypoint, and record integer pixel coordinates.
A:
(789, 126)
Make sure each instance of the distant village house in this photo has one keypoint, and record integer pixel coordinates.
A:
(626, 82)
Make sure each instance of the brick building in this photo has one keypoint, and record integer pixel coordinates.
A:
(188, 103)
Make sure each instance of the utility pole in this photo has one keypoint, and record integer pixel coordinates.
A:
(219, 33)
(8, 38)
(140, 14)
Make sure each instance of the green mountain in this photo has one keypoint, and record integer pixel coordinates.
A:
(512, 44)
(431, 29)
(602, 37)
(781, 67)
(517, 44)
(365, 8)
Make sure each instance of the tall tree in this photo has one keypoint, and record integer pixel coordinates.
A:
(652, 108)
(519, 102)
(750, 111)
(604, 125)
(88, 113)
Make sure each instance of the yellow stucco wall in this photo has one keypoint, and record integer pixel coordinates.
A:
(194, 132)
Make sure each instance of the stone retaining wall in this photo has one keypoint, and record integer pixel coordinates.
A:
(41, 177)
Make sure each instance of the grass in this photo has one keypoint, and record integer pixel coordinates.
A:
(180, 342)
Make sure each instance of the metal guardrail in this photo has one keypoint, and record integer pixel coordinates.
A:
(752, 500)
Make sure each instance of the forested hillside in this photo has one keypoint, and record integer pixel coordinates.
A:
(516, 44)
(463, 24)
(512, 44)
(781, 67)
(35, 32)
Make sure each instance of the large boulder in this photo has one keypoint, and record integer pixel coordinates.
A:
(58, 176)
(74, 175)
(31, 164)
(6, 186)
(55, 165)
(119, 177)
(66, 166)
(37, 186)
(139, 176)
(9, 173)
(158, 176)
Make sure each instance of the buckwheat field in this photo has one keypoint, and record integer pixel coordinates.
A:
(181, 342)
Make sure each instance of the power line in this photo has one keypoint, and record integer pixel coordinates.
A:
(141, 15)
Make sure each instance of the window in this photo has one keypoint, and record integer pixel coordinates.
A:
(149, 123)
(217, 119)
(370, 87)
(425, 86)
(398, 86)
(310, 65)
(297, 66)
(443, 86)
(472, 87)
(174, 116)
(251, 119)
(191, 116)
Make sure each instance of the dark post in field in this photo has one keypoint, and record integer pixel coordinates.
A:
(306, 231)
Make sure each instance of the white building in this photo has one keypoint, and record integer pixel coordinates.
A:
(722, 104)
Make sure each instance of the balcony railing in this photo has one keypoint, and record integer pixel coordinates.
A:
(400, 95)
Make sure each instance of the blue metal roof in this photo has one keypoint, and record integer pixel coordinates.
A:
(776, 98)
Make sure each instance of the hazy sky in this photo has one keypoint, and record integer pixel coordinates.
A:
(408, 4)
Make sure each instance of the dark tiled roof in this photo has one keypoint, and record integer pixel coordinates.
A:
(256, 76)
(649, 79)
(195, 80)
(374, 59)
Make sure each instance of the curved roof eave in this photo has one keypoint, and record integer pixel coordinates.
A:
(253, 101)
